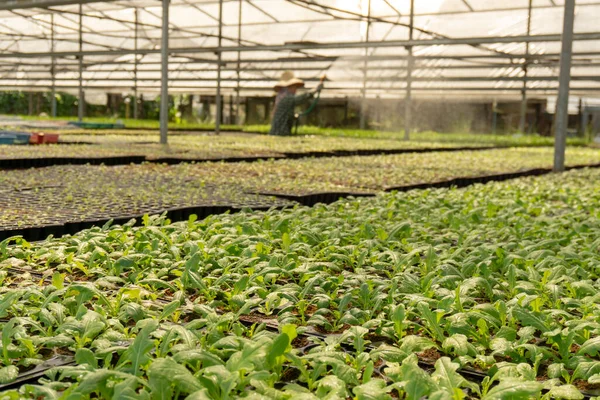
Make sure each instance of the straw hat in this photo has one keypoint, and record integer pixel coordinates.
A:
(288, 79)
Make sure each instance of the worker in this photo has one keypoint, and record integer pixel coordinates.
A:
(283, 118)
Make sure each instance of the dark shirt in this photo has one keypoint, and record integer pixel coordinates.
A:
(283, 116)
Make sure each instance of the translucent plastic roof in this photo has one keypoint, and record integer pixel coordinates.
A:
(463, 48)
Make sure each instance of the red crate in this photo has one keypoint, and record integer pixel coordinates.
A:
(43, 138)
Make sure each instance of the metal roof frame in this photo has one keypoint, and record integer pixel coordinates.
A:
(93, 42)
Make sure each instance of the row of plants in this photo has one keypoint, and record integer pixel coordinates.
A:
(277, 144)
(398, 296)
(455, 137)
(63, 194)
(375, 173)
(204, 146)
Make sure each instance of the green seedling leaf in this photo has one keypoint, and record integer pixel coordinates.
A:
(446, 377)
(170, 309)
(207, 358)
(164, 374)
(8, 374)
(96, 382)
(8, 332)
(278, 348)
(530, 318)
(86, 356)
(417, 383)
(585, 370)
(331, 387)
(127, 390)
(375, 389)
(457, 343)
(432, 322)
(7, 300)
(590, 347)
(58, 280)
(565, 392)
(136, 355)
(201, 394)
(514, 389)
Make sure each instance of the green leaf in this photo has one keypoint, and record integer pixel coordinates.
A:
(58, 280)
(375, 389)
(127, 390)
(7, 300)
(286, 241)
(8, 374)
(458, 343)
(566, 392)
(136, 355)
(278, 348)
(95, 382)
(417, 383)
(170, 309)
(8, 330)
(585, 370)
(432, 322)
(331, 386)
(416, 344)
(86, 356)
(207, 358)
(164, 374)
(252, 353)
(556, 370)
(446, 377)
(530, 318)
(590, 347)
(201, 394)
(290, 330)
(514, 389)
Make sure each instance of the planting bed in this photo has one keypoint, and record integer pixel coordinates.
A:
(375, 173)
(66, 199)
(486, 292)
(120, 149)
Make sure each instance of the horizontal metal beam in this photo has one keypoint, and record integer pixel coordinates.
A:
(391, 79)
(64, 69)
(318, 46)
(23, 4)
(534, 59)
(232, 89)
(36, 3)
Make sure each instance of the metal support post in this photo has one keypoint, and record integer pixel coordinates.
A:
(494, 116)
(219, 66)
(238, 119)
(53, 106)
(409, 69)
(523, 118)
(164, 83)
(562, 103)
(363, 103)
(135, 66)
(81, 100)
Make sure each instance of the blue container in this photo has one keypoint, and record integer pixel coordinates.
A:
(9, 137)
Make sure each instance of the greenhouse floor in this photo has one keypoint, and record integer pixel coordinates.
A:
(424, 274)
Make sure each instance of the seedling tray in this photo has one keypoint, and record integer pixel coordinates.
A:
(92, 125)
(20, 163)
(37, 233)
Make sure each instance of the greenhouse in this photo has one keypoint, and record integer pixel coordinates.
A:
(299, 199)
